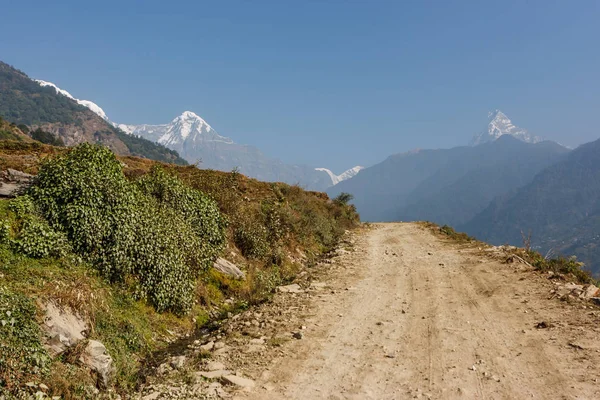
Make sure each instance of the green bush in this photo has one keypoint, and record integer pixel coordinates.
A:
(191, 208)
(559, 265)
(251, 239)
(22, 356)
(343, 198)
(31, 234)
(458, 236)
(156, 234)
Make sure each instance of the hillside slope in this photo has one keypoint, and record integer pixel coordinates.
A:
(10, 131)
(126, 246)
(25, 101)
(560, 207)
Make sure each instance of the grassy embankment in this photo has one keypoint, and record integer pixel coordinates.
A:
(83, 238)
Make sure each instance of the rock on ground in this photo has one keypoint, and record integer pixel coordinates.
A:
(63, 329)
(228, 268)
(13, 182)
(293, 288)
(96, 357)
(239, 381)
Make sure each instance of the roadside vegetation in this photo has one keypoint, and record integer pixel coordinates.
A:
(128, 245)
(559, 265)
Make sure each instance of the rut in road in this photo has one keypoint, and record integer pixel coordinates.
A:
(423, 317)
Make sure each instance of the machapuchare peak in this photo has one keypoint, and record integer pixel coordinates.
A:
(499, 124)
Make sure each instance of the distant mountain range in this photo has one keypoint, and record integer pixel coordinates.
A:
(196, 141)
(448, 186)
(451, 186)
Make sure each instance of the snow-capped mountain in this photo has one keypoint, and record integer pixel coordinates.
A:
(343, 176)
(196, 141)
(499, 124)
(188, 127)
(86, 103)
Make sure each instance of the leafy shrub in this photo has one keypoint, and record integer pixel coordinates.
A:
(559, 265)
(154, 234)
(194, 209)
(251, 239)
(274, 223)
(22, 355)
(343, 198)
(31, 234)
(458, 236)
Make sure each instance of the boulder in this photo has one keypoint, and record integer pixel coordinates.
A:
(293, 288)
(239, 381)
(96, 357)
(219, 373)
(318, 285)
(208, 346)
(590, 291)
(13, 175)
(228, 268)
(573, 286)
(14, 182)
(63, 329)
(214, 366)
(178, 362)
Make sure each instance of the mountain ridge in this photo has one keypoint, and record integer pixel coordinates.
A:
(450, 185)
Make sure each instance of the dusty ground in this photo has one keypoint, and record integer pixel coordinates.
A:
(408, 314)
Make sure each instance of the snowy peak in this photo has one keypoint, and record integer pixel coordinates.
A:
(499, 124)
(86, 103)
(188, 128)
(335, 179)
(186, 124)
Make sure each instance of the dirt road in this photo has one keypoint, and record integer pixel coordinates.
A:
(416, 316)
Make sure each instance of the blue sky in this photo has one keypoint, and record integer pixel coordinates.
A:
(326, 83)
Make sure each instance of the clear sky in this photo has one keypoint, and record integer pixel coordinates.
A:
(326, 83)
